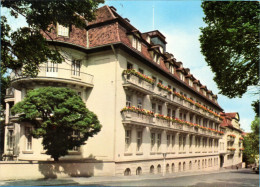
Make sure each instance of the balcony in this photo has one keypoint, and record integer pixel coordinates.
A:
(60, 76)
(231, 151)
(136, 118)
(137, 84)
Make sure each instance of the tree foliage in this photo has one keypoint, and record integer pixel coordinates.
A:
(55, 113)
(251, 142)
(230, 44)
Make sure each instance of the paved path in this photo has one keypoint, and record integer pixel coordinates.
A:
(220, 178)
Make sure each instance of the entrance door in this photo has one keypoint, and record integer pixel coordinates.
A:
(221, 160)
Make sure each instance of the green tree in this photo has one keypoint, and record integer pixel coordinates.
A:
(251, 142)
(57, 114)
(230, 44)
(26, 47)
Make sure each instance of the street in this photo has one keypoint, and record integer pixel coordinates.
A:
(245, 178)
(222, 178)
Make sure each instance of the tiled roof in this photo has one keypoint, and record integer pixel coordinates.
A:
(232, 115)
(109, 27)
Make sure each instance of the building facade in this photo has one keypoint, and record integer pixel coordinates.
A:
(156, 116)
(231, 144)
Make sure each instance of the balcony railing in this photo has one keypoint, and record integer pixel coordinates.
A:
(131, 81)
(138, 118)
(59, 75)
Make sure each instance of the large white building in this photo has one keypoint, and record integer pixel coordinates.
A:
(156, 116)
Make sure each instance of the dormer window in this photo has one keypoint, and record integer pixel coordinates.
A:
(172, 69)
(190, 82)
(210, 97)
(136, 44)
(198, 88)
(156, 58)
(204, 92)
(181, 76)
(62, 31)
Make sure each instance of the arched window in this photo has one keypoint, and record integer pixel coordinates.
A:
(190, 165)
(179, 166)
(139, 171)
(159, 168)
(199, 164)
(167, 168)
(173, 168)
(184, 166)
(202, 163)
(152, 169)
(127, 172)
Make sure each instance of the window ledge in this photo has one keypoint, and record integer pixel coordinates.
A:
(74, 152)
(128, 154)
(27, 152)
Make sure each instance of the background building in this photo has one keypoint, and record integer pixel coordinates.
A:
(231, 144)
(156, 116)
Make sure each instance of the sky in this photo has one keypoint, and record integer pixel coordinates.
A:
(179, 22)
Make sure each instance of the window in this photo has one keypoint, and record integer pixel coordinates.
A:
(181, 76)
(158, 141)
(139, 102)
(173, 113)
(184, 117)
(127, 172)
(129, 65)
(190, 82)
(172, 69)
(139, 46)
(198, 88)
(180, 142)
(159, 109)
(136, 43)
(141, 71)
(128, 100)
(28, 136)
(75, 67)
(152, 140)
(139, 171)
(180, 116)
(173, 140)
(156, 58)
(204, 92)
(159, 168)
(51, 67)
(154, 107)
(169, 112)
(10, 139)
(139, 140)
(127, 139)
(75, 135)
(168, 140)
(152, 169)
(62, 31)
(190, 140)
(191, 118)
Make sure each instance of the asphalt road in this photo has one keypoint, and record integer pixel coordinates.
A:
(245, 178)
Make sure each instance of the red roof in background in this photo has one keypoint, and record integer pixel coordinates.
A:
(232, 115)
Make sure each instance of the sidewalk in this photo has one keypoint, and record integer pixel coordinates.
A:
(99, 180)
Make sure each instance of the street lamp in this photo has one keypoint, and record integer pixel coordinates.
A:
(164, 156)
